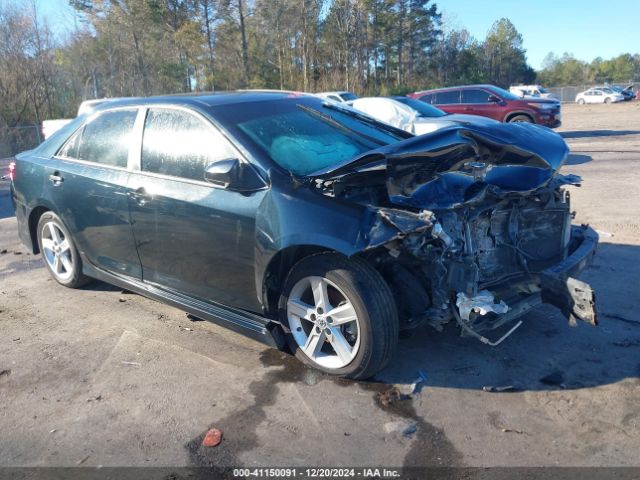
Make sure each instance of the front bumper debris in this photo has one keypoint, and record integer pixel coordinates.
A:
(575, 298)
(557, 286)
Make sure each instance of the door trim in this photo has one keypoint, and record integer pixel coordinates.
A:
(256, 327)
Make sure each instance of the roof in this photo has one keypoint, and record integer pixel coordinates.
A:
(208, 99)
(455, 87)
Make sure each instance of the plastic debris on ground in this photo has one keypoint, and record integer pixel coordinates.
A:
(212, 438)
(131, 364)
(403, 427)
(482, 303)
(402, 392)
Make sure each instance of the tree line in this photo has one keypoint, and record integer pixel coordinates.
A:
(145, 47)
(567, 70)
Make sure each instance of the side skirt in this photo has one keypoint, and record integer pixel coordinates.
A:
(249, 324)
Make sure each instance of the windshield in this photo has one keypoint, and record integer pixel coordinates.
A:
(348, 96)
(543, 90)
(423, 109)
(501, 92)
(304, 135)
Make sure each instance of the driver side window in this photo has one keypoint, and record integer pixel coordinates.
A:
(475, 96)
(180, 144)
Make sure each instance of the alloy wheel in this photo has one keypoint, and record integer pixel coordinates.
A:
(57, 251)
(323, 322)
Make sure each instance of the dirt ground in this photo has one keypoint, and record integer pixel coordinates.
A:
(101, 377)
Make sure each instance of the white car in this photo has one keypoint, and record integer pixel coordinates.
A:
(49, 127)
(532, 91)
(339, 97)
(412, 115)
(599, 95)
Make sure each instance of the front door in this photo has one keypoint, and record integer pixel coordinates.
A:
(193, 237)
(475, 101)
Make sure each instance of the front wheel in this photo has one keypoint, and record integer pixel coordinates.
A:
(581, 101)
(59, 252)
(339, 315)
(521, 119)
(607, 100)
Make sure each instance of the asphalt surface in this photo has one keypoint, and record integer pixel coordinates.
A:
(101, 377)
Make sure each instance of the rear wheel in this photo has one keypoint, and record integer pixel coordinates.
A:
(339, 315)
(521, 119)
(59, 252)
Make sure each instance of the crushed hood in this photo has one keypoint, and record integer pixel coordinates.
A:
(459, 164)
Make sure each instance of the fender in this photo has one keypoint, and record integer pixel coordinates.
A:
(528, 113)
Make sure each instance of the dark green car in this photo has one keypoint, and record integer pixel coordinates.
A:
(306, 224)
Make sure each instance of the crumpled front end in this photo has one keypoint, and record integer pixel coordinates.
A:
(504, 260)
(474, 226)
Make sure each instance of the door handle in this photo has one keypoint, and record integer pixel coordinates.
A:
(140, 196)
(56, 178)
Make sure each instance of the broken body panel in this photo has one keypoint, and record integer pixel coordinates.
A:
(471, 223)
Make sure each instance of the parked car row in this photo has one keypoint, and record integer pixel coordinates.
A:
(627, 92)
(412, 115)
(600, 95)
(477, 100)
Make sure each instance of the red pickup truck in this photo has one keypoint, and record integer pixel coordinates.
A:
(493, 102)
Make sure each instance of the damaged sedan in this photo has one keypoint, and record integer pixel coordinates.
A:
(307, 225)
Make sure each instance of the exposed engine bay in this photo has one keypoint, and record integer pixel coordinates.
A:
(472, 225)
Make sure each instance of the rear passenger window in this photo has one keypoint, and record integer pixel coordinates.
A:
(428, 98)
(70, 149)
(179, 144)
(104, 140)
(475, 96)
(443, 98)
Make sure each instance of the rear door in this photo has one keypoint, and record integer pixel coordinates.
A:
(193, 237)
(88, 185)
(598, 96)
(449, 101)
(475, 101)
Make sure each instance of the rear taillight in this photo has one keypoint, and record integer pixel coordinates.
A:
(12, 171)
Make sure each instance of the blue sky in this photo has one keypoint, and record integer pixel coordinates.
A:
(586, 28)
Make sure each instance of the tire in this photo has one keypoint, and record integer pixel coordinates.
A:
(59, 252)
(361, 301)
(521, 119)
(581, 101)
(607, 100)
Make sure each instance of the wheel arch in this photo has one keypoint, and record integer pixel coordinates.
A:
(510, 115)
(34, 218)
(279, 267)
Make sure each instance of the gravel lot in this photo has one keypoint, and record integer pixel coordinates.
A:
(101, 377)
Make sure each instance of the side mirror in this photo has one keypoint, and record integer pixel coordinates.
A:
(494, 99)
(232, 174)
